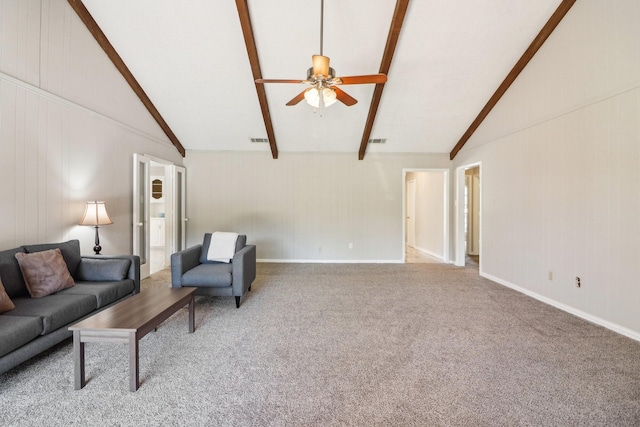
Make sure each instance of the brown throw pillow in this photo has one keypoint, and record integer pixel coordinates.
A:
(5, 302)
(44, 272)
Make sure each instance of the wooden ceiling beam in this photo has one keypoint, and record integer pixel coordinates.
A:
(252, 51)
(536, 44)
(392, 40)
(108, 48)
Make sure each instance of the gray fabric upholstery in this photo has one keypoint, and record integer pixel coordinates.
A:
(104, 292)
(134, 268)
(244, 269)
(11, 275)
(38, 345)
(17, 331)
(51, 316)
(208, 275)
(215, 278)
(240, 243)
(102, 270)
(70, 252)
(54, 310)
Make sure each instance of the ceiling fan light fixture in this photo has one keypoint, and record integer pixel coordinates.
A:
(323, 81)
(320, 65)
(330, 97)
(312, 97)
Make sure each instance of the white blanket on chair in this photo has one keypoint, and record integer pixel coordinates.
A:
(222, 246)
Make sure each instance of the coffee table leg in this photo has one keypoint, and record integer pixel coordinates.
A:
(134, 372)
(78, 361)
(192, 314)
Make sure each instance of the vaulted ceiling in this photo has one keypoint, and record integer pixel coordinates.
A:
(453, 58)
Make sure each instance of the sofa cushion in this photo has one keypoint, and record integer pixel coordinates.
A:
(44, 272)
(5, 302)
(211, 275)
(102, 270)
(11, 275)
(104, 292)
(16, 331)
(55, 311)
(240, 243)
(70, 252)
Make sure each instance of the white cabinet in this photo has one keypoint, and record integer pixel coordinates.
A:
(157, 232)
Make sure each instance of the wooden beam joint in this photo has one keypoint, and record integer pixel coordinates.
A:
(536, 44)
(252, 52)
(117, 61)
(389, 49)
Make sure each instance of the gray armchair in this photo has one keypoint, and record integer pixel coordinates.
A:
(190, 267)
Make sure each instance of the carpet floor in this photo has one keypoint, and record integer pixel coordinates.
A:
(342, 345)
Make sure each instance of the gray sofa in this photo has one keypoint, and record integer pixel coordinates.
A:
(190, 267)
(36, 324)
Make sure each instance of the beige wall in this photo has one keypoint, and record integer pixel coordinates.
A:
(69, 125)
(561, 169)
(560, 164)
(304, 206)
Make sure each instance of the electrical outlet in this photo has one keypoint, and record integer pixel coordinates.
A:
(577, 282)
(551, 275)
(350, 245)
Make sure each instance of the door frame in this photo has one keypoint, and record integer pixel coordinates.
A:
(410, 191)
(172, 212)
(459, 259)
(446, 192)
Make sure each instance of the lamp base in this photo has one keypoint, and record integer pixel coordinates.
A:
(97, 248)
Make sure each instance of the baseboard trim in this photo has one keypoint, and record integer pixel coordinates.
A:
(331, 261)
(431, 254)
(579, 313)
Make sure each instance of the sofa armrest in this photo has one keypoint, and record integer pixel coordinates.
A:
(183, 261)
(244, 269)
(134, 268)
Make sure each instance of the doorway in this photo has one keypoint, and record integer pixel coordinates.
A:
(425, 215)
(469, 215)
(157, 211)
(159, 218)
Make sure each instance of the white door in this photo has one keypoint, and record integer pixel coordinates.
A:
(179, 212)
(472, 203)
(411, 213)
(141, 215)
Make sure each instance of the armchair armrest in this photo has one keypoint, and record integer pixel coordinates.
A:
(244, 269)
(183, 261)
(134, 268)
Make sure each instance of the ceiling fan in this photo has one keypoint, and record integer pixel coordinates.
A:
(323, 81)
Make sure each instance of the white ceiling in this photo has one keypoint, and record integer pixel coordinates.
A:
(191, 60)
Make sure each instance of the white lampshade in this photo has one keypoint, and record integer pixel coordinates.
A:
(312, 98)
(95, 213)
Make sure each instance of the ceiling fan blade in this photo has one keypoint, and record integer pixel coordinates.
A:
(343, 97)
(359, 80)
(278, 81)
(299, 97)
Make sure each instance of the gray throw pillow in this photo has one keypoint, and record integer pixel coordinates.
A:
(103, 270)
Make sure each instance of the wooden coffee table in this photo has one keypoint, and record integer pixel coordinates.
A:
(128, 322)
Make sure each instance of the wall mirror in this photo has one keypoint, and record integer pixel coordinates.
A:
(156, 189)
